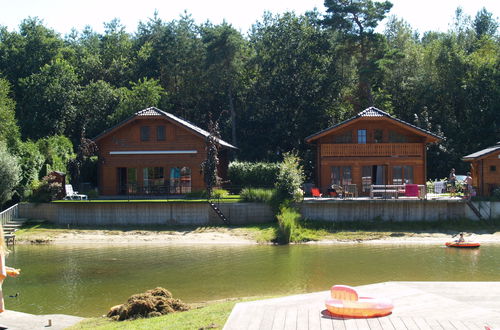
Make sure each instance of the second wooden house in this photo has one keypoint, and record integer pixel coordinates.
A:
(371, 148)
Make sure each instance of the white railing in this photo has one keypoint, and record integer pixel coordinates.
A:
(9, 214)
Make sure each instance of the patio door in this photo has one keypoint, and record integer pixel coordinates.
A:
(121, 180)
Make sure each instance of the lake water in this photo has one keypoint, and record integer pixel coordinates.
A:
(87, 280)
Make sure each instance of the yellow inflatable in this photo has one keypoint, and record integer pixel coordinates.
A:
(346, 303)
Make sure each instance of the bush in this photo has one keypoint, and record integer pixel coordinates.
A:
(248, 174)
(219, 193)
(257, 195)
(290, 178)
(10, 174)
(46, 190)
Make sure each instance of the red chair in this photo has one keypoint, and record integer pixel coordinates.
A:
(315, 192)
(411, 190)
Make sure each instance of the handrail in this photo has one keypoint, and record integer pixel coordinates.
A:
(9, 214)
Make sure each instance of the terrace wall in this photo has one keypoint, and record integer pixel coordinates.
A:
(145, 214)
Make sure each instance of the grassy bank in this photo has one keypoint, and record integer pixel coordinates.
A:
(212, 315)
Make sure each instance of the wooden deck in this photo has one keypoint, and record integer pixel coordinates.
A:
(417, 305)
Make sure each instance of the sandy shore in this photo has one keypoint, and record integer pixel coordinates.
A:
(229, 236)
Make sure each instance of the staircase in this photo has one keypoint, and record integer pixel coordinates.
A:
(483, 212)
(9, 229)
(219, 212)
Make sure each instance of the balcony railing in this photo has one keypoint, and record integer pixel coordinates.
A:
(372, 150)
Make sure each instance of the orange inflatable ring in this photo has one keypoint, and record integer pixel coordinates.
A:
(346, 303)
(463, 244)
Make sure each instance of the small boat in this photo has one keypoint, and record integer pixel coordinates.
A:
(463, 244)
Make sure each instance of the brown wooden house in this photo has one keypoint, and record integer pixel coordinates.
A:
(154, 152)
(371, 148)
(485, 169)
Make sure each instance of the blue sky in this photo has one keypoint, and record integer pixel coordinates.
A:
(62, 15)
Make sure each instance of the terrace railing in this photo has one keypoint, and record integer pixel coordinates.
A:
(9, 214)
(372, 150)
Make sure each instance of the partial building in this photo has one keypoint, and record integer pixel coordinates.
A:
(154, 152)
(372, 147)
(485, 169)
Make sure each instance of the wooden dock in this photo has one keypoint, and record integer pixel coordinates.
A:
(417, 305)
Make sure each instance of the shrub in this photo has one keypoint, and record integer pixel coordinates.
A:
(290, 178)
(46, 190)
(220, 193)
(248, 174)
(257, 195)
(10, 174)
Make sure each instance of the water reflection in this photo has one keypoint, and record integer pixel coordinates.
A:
(87, 280)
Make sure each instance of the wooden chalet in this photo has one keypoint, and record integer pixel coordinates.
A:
(485, 169)
(371, 148)
(154, 152)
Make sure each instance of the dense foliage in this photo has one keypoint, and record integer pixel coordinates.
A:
(288, 77)
(252, 174)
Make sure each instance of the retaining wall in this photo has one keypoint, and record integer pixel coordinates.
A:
(385, 210)
(96, 214)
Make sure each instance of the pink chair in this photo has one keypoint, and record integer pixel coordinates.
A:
(411, 190)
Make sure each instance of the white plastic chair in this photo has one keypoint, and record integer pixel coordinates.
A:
(71, 194)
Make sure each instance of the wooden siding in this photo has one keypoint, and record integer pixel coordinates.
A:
(128, 138)
(484, 179)
(371, 150)
(386, 152)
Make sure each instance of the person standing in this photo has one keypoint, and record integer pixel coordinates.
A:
(468, 185)
(4, 270)
(452, 179)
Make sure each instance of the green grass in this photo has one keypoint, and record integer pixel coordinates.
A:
(211, 316)
(227, 199)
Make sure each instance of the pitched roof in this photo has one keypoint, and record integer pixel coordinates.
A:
(152, 111)
(482, 153)
(370, 112)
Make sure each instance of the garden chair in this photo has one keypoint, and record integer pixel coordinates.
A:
(411, 190)
(315, 192)
(71, 194)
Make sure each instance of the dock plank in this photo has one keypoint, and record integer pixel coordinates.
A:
(303, 318)
(314, 316)
(279, 319)
(386, 323)
(291, 319)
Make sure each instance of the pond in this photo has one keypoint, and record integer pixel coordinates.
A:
(86, 280)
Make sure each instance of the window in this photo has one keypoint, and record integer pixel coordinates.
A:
(185, 180)
(341, 175)
(408, 174)
(396, 137)
(402, 174)
(366, 177)
(493, 168)
(153, 179)
(378, 136)
(397, 175)
(132, 180)
(175, 180)
(145, 133)
(361, 136)
(343, 138)
(160, 133)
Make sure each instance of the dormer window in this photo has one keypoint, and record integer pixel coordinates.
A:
(160, 133)
(145, 133)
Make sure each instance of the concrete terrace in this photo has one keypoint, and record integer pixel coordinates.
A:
(417, 305)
